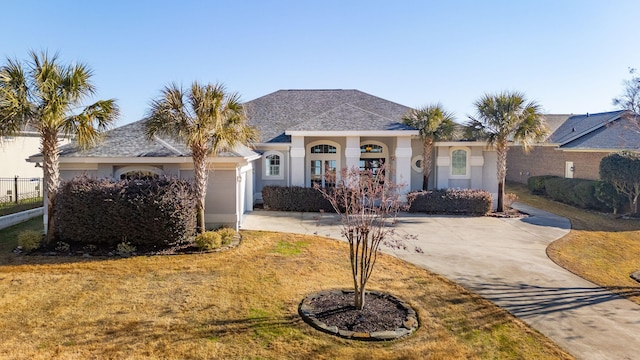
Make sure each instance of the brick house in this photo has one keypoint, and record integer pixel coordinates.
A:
(575, 146)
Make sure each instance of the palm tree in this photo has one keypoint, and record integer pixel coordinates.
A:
(207, 119)
(434, 124)
(505, 117)
(49, 96)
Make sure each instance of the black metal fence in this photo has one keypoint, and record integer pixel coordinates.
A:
(20, 190)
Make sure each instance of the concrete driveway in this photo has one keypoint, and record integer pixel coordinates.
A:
(505, 261)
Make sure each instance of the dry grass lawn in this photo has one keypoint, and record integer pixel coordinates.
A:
(599, 248)
(239, 304)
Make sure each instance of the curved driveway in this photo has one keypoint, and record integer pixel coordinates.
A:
(505, 261)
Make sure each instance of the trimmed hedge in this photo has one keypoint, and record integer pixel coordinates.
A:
(536, 184)
(577, 192)
(154, 212)
(451, 201)
(294, 198)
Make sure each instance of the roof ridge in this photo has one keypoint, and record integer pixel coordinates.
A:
(615, 115)
(370, 112)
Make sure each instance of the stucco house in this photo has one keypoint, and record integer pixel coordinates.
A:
(305, 135)
(575, 146)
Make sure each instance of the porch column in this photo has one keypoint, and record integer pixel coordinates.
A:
(297, 161)
(403, 163)
(352, 152)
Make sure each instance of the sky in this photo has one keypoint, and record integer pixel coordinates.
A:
(571, 56)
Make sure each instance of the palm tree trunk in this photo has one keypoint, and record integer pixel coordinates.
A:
(501, 150)
(201, 178)
(427, 151)
(50, 155)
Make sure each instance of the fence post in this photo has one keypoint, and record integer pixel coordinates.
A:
(15, 188)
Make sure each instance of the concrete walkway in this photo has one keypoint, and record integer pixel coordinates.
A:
(505, 261)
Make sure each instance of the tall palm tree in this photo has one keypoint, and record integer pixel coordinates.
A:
(434, 124)
(49, 97)
(207, 119)
(505, 117)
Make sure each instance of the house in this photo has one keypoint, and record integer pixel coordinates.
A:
(309, 134)
(305, 137)
(575, 146)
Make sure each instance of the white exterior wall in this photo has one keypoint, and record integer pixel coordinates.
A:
(14, 152)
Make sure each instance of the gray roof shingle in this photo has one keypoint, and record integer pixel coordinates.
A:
(609, 130)
(317, 110)
(130, 141)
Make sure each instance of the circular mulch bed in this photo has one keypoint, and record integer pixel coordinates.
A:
(384, 316)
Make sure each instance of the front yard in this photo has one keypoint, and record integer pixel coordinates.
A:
(236, 304)
(599, 248)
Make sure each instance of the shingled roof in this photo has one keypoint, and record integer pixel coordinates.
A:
(322, 110)
(129, 141)
(615, 130)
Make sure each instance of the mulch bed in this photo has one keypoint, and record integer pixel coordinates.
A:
(384, 317)
(379, 313)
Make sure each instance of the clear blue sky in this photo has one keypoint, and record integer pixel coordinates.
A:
(569, 55)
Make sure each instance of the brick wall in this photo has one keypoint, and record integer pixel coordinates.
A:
(546, 160)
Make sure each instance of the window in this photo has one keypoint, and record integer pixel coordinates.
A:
(323, 161)
(139, 171)
(416, 163)
(371, 148)
(459, 163)
(273, 162)
(323, 149)
(373, 156)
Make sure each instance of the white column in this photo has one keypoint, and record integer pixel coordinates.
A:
(403, 163)
(297, 168)
(352, 152)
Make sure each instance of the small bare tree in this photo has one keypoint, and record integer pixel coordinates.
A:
(368, 204)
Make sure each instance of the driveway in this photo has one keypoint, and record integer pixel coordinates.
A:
(504, 260)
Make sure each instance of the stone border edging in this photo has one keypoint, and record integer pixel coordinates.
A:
(409, 325)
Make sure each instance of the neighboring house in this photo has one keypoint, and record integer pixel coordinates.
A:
(575, 146)
(14, 150)
(305, 136)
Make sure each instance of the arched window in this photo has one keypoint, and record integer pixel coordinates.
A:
(130, 172)
(324, 162)
(273, 165)
(460, 162)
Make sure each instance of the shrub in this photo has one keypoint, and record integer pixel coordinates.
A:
(622, 170)
(208, 240)
(577, 192)
(62, 247)
(227, 235)
(451, 201)
(125, 248)
(147, 212)
(536, 184)
(509, 199)
(609, 196)
(294, 198)
(30, 240)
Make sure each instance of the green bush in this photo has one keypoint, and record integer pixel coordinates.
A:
(208, 240)
(294, 198)
(451, 201)
(227, 235)
(30, 240)
(577, 192)
(157, 212)
(609, 196)
(536, 184)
